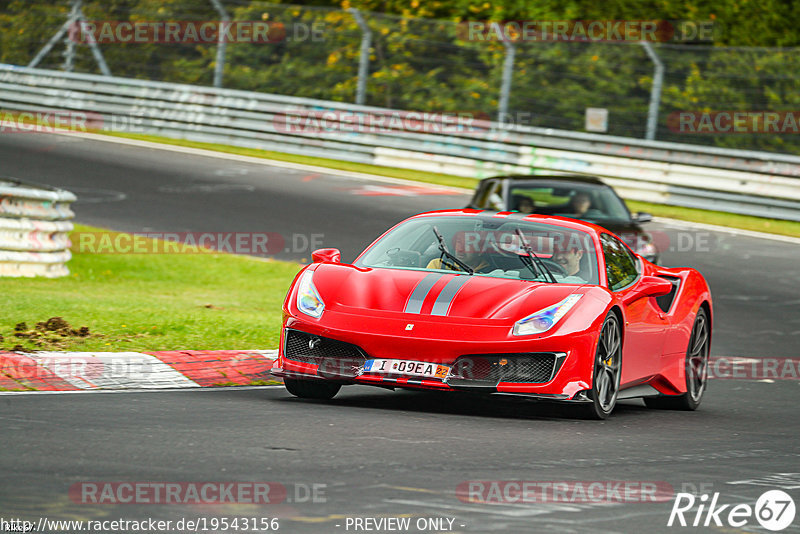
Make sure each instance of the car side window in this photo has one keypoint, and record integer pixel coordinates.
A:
(481, 200)
(621, 266)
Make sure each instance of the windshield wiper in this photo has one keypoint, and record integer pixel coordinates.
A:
(446, 253)
(533, 257)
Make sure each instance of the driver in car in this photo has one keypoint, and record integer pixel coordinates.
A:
(580, 204)
(524, 204)
(471, 255)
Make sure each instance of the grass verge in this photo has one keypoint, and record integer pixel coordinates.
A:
(135, 302)
(746, 222)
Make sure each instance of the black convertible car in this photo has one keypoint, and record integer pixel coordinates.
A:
(574, 196)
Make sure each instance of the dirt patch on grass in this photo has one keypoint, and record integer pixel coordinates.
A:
(53, 334)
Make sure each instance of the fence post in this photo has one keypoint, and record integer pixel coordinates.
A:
(73, 30)
(96, 52)
(363, 56)
(69, 51)
(222, 44)
(62, 31)
(505, 84)
(655, 91)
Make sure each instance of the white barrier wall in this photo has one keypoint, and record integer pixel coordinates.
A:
(34, 227)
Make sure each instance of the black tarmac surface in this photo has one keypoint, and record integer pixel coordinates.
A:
(381, 454)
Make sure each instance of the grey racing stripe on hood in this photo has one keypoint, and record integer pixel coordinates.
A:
(414, 304)
(445, 298)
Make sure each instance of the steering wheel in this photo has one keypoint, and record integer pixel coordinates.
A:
(403, 258)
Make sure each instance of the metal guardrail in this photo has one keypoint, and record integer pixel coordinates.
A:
(735, 181)
(34, 227)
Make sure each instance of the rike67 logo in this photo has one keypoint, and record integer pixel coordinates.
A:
(774, 510)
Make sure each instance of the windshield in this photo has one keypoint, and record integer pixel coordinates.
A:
(486, 246)
(576, 201)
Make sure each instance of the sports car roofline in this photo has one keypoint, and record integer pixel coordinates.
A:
(512, 180)
(580, 178)
(564, 222)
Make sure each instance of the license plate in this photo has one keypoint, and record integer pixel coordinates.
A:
(406, 367)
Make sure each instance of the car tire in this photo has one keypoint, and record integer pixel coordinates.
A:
(695, 370)
(607, 371)
(311, 389)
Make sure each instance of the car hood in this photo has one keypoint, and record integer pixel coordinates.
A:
(354, 290)
(627, 230)
(618, 226)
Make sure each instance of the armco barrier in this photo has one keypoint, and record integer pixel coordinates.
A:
(752, 183)
(34, 226)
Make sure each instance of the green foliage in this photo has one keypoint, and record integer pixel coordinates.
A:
(420, 59)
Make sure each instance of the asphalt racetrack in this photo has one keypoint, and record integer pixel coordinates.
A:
(371, 453)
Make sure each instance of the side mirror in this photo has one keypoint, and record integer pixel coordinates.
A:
(326, 254)
(643, 217)
(649, 286)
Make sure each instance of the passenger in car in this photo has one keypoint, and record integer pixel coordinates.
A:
(579, 204)
(570, 260)
(523, 204)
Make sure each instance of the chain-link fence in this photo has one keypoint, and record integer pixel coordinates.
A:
(425, 65)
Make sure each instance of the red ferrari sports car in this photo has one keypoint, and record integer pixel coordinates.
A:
(502, 303)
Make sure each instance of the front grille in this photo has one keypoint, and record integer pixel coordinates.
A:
(336, 359)
(532, 368)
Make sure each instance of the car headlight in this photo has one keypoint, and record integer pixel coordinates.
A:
(545, 319)
(647, 249)
(308, 299)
